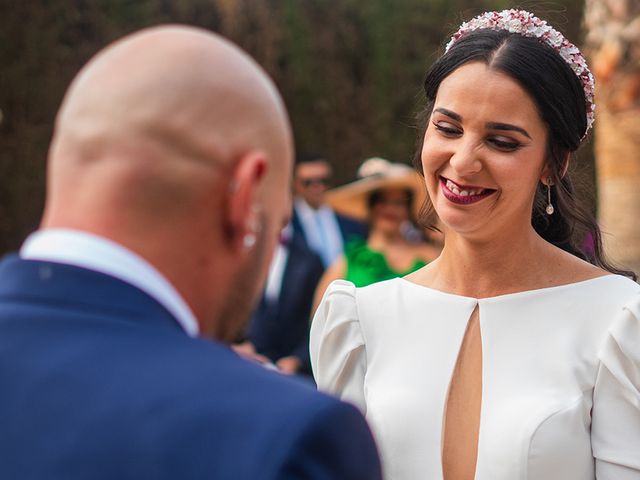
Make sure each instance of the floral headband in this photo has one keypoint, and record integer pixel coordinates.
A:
(528, 25)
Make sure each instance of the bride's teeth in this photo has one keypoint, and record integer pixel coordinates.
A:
(463, 193)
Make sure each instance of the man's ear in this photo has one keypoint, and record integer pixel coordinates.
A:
(242, 211)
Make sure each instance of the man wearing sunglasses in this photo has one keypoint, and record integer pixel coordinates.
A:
(325, 232)
(279, 328)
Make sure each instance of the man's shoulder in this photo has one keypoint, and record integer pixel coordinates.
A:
(282, 423)
(293, 430)
(214, 379)
(218, 371)
(149, 390)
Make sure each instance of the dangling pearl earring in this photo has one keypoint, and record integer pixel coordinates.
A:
(549, 208)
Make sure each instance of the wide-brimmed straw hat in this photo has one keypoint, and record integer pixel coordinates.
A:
(375, 174)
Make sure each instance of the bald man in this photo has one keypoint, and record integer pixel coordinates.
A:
(167, 186)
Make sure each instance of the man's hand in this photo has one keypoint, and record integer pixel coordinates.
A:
(289, 365)
(248, 351)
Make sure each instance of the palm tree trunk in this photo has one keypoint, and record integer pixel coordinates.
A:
(613, 41)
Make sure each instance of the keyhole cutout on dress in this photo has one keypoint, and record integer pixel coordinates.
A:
(462, 412)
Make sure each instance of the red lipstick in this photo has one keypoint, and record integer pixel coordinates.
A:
(463, 194)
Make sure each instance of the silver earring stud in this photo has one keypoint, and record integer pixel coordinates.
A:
(249, 240)
(549, 208)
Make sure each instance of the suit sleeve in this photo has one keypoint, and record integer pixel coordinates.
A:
(313, 272)
(615, 427)
(336, 444)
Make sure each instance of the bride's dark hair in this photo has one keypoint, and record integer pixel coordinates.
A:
(560, 98)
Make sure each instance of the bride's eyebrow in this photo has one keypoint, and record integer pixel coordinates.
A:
(449, 113)
(490, 125)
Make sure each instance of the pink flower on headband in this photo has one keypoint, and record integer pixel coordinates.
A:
(528, 25)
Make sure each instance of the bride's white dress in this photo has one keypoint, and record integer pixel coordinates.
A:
(561, 375)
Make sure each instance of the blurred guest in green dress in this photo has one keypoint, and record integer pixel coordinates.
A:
(387, 196)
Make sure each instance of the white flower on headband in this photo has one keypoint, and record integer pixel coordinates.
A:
(528, 25)
(515, 26)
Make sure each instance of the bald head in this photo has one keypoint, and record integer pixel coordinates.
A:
(169, 91)
(185, 87)
(154, 133)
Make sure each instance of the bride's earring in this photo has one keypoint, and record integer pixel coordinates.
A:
(549, 208)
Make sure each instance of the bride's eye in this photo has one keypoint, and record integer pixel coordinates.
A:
(503, 144)
(447, 128)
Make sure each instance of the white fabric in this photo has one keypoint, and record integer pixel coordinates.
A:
(278, 265)
(321, 230)
(549, 356)
(276, 273)
(81, 249)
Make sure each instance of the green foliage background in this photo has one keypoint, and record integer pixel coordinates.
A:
(350, 71)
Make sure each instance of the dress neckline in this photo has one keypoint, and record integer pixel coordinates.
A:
(509, 295)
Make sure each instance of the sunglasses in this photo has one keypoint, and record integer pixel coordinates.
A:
(320, 181)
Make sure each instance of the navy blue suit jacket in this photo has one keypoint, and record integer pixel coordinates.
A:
(350, 228)
(280, 327)
(98, 381)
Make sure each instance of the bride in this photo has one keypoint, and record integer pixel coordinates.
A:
(510, 356)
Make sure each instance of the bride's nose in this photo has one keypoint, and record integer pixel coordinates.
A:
(466, 160)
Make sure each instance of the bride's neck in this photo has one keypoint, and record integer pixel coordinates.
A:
(478, 268)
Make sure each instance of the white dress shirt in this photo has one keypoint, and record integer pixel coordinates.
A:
(321, 230)
(277, 266)
(85, 250)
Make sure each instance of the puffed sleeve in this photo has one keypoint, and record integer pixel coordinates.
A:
(615, 428)
(337, 347)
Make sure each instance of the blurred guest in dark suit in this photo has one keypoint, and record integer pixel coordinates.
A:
(325, 231)
(279, 328)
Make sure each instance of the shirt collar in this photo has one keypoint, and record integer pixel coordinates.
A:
(307, 210)
(85, 250)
